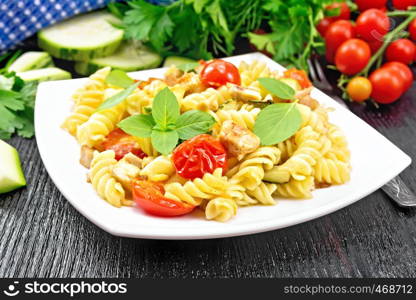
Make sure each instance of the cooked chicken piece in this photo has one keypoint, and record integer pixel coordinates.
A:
(86, 157)
(126, 170)
(172, 75)
(305, 98)
(238, 140)
(244, 94)
(192, 83)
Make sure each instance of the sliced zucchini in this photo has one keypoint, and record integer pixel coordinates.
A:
(129, 57)
(82, 38)
(31, 60)
(11, 174)
(177, 61)
(45, 74)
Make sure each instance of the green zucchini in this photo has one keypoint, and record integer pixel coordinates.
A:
(83, 37)
(44, 74)
(129, 57)
(11, 174)
(31, 60)
(177, 61)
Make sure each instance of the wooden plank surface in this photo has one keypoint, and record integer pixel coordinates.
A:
(42, 235)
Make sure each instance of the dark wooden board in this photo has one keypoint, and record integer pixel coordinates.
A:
(42, 235)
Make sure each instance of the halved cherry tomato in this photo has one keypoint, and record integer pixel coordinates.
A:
(402, 50)
(405, 73)
(403, 4)
(219, 72)
(372, 25)
(412, 30)
(367, 4)
(121, 143)
(387, 85)
(337, 33)
(199, 155)
(344, 13)
(359, 89)
(150, 197)
(300, 76)
(352, 56)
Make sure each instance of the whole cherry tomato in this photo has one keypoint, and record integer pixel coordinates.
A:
(199, 155)
(412, 30)
(375, 45)
(344, 13)
(323, 26)
(403, 4)
(359, 89)
(352, 56)
(367, 4)
(219, 72)
(405, 73)
(402, 50)
(337, 33)
(121, 143)
(150, 197)
(300, 76)
(372, 25)
(387, 85)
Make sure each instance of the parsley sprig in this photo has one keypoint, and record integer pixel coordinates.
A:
(165, 125)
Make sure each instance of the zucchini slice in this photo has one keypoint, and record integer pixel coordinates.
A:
(31, 60)
(44, 74)
(82, 38)
(177, 61)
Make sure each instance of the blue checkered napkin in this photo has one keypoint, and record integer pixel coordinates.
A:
(20, 19)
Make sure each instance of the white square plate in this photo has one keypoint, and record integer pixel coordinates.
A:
(375, 161)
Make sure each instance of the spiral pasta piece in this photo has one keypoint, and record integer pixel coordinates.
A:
(159, 169)
(332, 171)
(210, 99)
(260, 195)
(299, 189)
(242, 117)
(146, 146)
(287, 148)
(102, 179)
(312, 119)
(221, 209)
(250, 72)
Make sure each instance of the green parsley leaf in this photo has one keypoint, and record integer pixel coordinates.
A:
(164, 141)
(192, 123)
(118, 98)
(187, 67)
(119, 78)
(277, 122)
(262, 42)
(11, 100)
(278, 88)
(138, 125)
(165, 109)
(161, 31)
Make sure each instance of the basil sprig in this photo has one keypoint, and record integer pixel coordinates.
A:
(278, 88)
(165, 125)
(119, 78)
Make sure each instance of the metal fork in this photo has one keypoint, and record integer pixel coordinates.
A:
(396, 189)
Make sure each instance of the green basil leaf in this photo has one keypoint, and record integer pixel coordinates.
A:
(277, 122)
(164, 141)
(119, 78)
(138, 125)
(117, 98)
(165, 109)
(278, 88)
(188, 66)
(192, 123)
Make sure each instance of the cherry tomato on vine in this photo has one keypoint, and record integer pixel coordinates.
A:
(405, 73)
(344, 11)
(372, 25)
(402, 50)
(352, 56)
(121, 143)
(375, 45)
(403, 4)
(412, 30)
(323, 26)
(337, 33)
(387, 85)
(359, 89)
(150, 197)
(219, 72)
(367, 4)
(199, 155)
(300, 76)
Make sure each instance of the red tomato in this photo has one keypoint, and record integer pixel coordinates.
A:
(199, 155)
(150, 197)
(219, 72)
(402, 50)
(300, 76)
(337, 33)
(121, 143)
(375, 45)
(405, 73)
(412, 30)
(372, 25)
(387, 85)
(344, 13)
(352, 56)
(367, 4)
(403, 4)
(323, 26)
